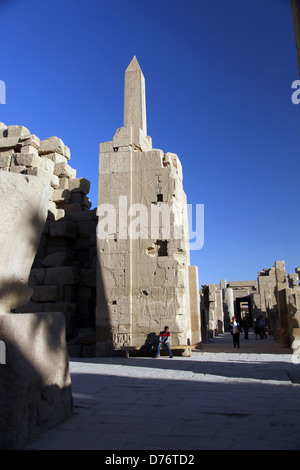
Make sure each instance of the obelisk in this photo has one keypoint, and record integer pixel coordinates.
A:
(143, 280)
(135, 97)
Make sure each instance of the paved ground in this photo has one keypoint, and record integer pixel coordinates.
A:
(220, 398)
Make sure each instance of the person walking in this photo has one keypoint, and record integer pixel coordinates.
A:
(164, 338)
(256, 327)
(246, 326)
(262, 325)
(235, 331)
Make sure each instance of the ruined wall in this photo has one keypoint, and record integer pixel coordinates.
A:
(63, 275)
(211, 305)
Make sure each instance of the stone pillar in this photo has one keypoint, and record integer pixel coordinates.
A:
(228, 306)
(295, 6)
(293, 280)
(194, 305)
(293, 301)
(281, 285)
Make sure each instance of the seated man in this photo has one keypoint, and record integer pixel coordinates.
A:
(164, 338)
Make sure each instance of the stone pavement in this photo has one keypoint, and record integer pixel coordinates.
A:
(220, 398)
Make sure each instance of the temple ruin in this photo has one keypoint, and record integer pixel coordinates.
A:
(274, 295)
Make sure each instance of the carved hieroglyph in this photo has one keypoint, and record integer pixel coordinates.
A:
(142, 237)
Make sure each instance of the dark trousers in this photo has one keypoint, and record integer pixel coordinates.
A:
(236, 340)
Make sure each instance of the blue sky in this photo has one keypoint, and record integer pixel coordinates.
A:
(218, 88)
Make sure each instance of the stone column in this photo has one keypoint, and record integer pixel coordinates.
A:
(295, 6)
(228, 306)
(194, 305)
(281, 285)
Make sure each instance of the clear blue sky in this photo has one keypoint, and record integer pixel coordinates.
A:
(218, 87)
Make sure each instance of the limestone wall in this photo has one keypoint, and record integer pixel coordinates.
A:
(63, 275)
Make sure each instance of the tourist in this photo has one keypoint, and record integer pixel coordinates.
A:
(246, 326)
(164, 338)
(256, 327)
(262, 326)
(235, 331)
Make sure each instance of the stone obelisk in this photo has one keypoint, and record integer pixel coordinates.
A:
(135, 97)
(143, 268)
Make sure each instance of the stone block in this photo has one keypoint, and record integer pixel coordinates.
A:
(60, 258)
(29, 149)
(63, 169)
(68, 275)
(63, 229)
(64, 183)
(31, 139)
(37, 277)
(56, 157)
(5, 160)
(9, 143)
(35, 384)
(3, 129)
(47, 293)
(41, 172)
(29, 160)
(17, 131)
(81, 185)
(52, 145)
(84, 216)
(70, 208)
(61, 195)
(47, 164)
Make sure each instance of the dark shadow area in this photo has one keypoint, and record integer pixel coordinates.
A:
(35, 388)
(120, 412)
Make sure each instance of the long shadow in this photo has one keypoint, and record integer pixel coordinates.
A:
(122, 412)
(239, 368)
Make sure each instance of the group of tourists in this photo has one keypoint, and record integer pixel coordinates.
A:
(236, 329)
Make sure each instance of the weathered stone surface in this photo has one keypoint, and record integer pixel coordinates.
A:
(24, 203)
(35, 384)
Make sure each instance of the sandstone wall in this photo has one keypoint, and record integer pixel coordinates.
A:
(63, 275)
